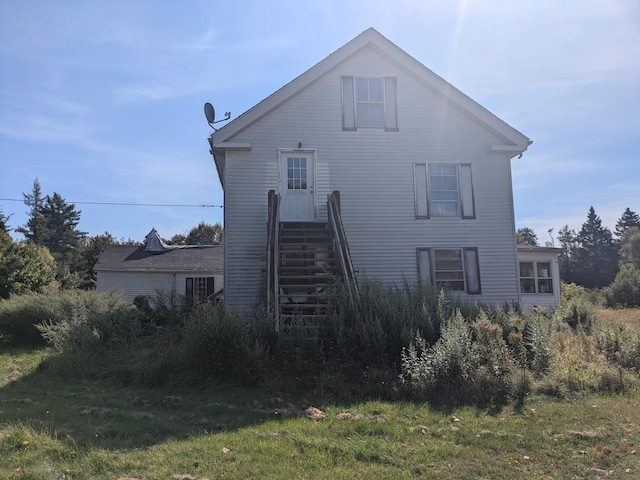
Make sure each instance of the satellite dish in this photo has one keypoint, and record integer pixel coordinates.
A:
(209, 112)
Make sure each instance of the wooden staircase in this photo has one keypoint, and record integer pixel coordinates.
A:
(303, 260)
(306, 267)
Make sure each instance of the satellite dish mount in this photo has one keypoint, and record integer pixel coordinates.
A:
(210, 113)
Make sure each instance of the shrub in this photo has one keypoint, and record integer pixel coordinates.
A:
(20, 315)
(578, 311)
(468, 363)
(625, 289)
(221, 343)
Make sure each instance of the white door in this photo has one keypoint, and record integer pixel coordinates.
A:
(296, 187)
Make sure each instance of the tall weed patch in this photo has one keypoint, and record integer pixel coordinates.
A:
(21, 315)
(469, 363)
(221, 343)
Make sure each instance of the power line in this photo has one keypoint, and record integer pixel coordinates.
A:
(126, 204)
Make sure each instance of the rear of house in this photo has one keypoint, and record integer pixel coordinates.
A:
(423, 174)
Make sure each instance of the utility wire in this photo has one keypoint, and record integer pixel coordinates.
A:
(123, 204)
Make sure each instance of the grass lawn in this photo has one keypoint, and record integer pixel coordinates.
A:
(53, 428)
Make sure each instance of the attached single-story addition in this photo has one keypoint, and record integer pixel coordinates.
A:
(539, 276)
(370, 164)
(189, 272)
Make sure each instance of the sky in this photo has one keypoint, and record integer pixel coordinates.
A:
(102, 101)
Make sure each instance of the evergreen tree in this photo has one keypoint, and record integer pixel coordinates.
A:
(4, 222)
(35, 229)
(630, 247)
(627, 220)
(64, 240)
(526, 236)
(597, 257)
(567, 262)
(94, 247)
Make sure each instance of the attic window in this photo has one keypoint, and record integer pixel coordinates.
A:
(369, 102)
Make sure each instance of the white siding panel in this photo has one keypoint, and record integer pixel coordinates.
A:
(150, 284)
(374, 171)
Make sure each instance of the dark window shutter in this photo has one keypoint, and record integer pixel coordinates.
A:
(210, 285)
(348, 104)
(189, 288)
(391, 110)
(472, 271)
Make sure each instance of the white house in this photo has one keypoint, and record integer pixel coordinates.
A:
(189, 272)
(421, 172)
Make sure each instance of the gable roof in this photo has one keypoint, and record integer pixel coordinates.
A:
(515, 142)
(190, 258)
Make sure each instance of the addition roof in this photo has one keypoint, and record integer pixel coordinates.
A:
(191, 258)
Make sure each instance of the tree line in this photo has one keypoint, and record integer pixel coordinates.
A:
(57, 254)
(594, 257)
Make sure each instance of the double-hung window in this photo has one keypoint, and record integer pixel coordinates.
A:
(443, 190)
(535, 277)
(450, 268)
(369, 102)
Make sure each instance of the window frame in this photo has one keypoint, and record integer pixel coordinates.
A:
(536, 279)
(424, 190)
(470, 263)
(199, 289)
(389, 114)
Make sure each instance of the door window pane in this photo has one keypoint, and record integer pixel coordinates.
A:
(296, 173)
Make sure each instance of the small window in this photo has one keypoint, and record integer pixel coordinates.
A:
(443, 190)
(450, 268)
(535, 277)
(198, 289)
(369, 102)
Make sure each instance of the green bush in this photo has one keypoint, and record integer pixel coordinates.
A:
(625, 289)
(20, 315)
(221, 343)
(468, 364)
(91, 331)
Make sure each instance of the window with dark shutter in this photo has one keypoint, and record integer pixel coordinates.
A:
(369, 102)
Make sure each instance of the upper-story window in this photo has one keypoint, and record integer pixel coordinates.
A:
(443, 190)
(369, 102)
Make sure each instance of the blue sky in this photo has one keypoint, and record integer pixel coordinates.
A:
(103, 100)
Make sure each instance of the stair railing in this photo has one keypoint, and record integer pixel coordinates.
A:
(273, 233)
(342, 246)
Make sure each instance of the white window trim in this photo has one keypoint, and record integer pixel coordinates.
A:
(536, 278)
(466, 208)
(389, 103)
(470, 261)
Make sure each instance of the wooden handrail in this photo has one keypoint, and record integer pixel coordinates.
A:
(273, 232)
(342, 246)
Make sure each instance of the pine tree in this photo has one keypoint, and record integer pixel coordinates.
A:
(597, 256)
(34, 230)
(64, 240)
(626, 221)
(567, 262)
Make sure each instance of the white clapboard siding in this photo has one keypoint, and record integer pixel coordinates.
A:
(373, 170)
(150, 284)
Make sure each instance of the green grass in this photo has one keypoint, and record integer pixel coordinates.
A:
(52, 428)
